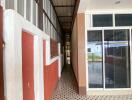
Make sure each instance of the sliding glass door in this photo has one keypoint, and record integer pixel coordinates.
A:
(109, 59)
(117, 59)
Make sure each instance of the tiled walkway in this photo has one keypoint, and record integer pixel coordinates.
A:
(67, 90)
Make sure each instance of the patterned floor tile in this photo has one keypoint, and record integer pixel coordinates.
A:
(67, 89)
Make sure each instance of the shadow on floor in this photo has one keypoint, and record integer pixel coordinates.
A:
(67, 89)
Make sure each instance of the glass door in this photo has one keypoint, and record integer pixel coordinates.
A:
(117, 59)
(108, 59)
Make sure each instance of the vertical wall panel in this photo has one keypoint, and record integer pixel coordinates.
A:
(1, 56)
(28, 66)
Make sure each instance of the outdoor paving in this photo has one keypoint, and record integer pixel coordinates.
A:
(67, 90)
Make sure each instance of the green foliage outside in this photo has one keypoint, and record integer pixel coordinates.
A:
(94, 57)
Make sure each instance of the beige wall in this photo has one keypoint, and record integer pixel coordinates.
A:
(78, 52)
(74, 49)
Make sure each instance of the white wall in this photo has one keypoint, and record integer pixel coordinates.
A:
(14, 24)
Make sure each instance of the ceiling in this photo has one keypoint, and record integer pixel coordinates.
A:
(104, 4)
(65, 12)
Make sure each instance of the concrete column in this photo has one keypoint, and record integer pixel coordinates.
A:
(81, 53)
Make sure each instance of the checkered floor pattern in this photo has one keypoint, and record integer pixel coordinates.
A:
(67, 89)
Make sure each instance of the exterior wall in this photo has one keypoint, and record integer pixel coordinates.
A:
(51, 79)
(1, 56)
(78, 52)
(44, 68)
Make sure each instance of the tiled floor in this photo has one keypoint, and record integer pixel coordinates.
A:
(67, 90)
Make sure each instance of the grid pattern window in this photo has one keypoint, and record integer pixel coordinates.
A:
(29, 10)
(50, 23)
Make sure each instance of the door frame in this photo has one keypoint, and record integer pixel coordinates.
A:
(1, 56)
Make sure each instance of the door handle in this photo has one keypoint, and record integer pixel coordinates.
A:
(3, 44)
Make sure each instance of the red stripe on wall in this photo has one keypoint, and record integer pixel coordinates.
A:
(50, 77)
(28, 66)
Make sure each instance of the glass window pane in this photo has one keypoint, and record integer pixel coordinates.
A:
(44, 23)
(20, 7)
(9, 4)
(117, 59)
(28, 9)
(123, 19)
(34, 12)
(95, 60)
(102, 20)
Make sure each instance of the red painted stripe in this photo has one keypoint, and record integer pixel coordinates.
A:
(28, 66)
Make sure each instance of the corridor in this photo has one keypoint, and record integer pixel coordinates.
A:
(65, 50)
(67, 89)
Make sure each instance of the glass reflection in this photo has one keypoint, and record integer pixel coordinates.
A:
(123, 19)
(117, 60)
(95, 59)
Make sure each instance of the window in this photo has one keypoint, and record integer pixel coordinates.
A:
(54, 48)
(9, 4)
(20, 7)
(28, 10)
(123, 19)
(102, 20)
(34, 12)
